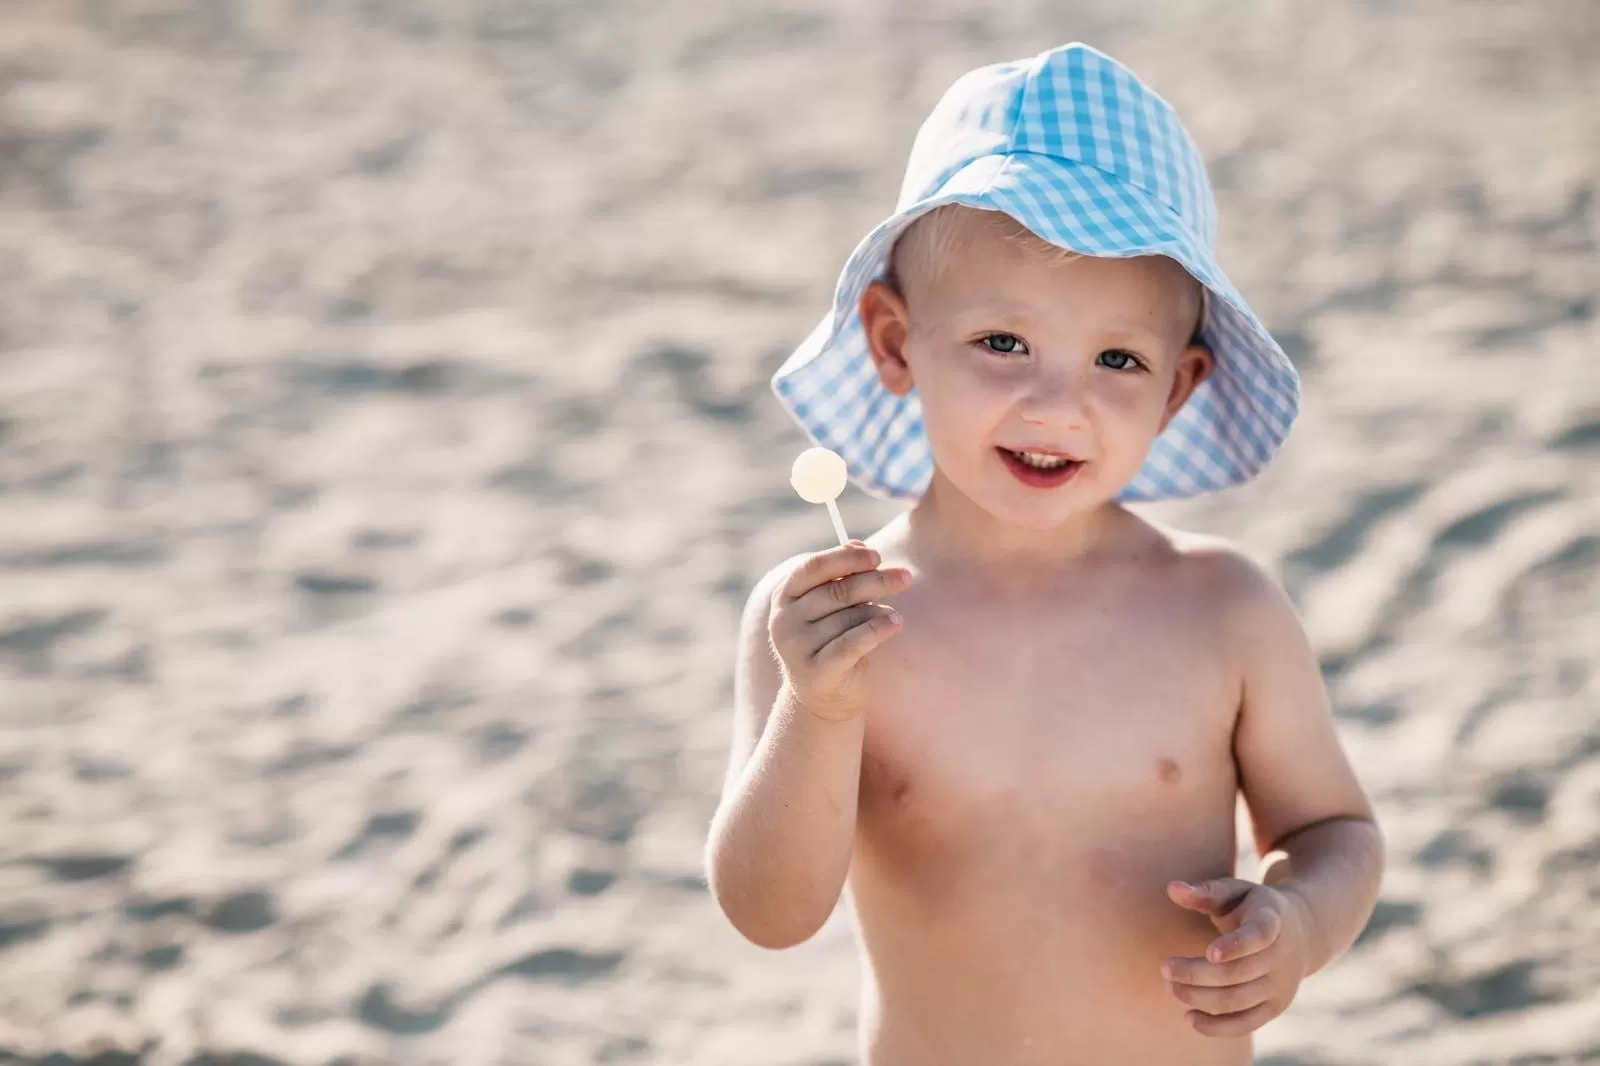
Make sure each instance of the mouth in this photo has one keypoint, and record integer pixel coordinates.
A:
(1043, 470)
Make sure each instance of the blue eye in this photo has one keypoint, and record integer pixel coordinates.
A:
(1119, 360)
(1004, 344)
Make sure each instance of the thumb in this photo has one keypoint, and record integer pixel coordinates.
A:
(1215, 897)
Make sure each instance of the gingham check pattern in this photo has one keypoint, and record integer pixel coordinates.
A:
(1074, 147)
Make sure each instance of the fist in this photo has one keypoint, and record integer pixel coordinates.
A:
(824, 623)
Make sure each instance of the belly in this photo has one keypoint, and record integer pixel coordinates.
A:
(1025, 931)
(1023, 805)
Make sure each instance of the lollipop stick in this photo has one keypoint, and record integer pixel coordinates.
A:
(838, 523)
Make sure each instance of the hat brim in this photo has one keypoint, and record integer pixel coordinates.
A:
(1230, 428)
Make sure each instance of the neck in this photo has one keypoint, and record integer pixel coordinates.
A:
(947, 527)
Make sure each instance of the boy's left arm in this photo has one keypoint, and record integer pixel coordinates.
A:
(1313, 826)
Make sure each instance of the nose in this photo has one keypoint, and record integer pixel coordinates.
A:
(1058, 400)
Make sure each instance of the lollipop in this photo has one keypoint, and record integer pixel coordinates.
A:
(819, 476)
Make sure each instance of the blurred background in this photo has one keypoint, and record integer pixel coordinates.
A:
(386, 450)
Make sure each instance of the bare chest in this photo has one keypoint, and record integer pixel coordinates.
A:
(981, 716)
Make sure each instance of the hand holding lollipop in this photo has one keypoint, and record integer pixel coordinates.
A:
(828, 615)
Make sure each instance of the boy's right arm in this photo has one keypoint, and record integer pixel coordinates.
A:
(781, 842)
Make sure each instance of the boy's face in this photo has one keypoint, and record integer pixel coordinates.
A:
(1013, 349)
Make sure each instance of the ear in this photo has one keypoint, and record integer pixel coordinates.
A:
(1194, 366)
(886, 322)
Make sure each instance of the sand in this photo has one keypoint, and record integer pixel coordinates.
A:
(385, 450)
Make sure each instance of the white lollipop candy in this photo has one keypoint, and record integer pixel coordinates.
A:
(819, 475)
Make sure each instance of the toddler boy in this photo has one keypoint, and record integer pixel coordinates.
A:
(1015, 721)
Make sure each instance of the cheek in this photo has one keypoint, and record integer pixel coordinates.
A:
(1134, 405)
(959, 403)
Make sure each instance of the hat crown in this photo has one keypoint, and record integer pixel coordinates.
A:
(1073, 103)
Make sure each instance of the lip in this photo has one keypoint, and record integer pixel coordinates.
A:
(1033, 476)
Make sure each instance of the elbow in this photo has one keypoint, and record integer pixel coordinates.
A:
(772, 935)
(761, 916)
(1372, 845)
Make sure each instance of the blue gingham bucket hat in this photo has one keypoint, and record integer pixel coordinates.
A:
(1075, 148)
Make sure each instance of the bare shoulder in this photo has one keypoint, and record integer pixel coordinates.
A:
(1235, 585)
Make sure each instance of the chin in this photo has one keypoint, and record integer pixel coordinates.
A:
(1043, 518)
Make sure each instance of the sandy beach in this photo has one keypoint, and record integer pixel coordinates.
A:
(386, 450)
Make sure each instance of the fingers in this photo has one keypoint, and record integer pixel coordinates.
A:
(826, 566)
(1231, 999)
(1233, 1025)
(1187, 971)
(1258, 933)
(848, 647)
(836, 579)
(1215, 897)
(823, 621)
(821, 633)
(1232, 988)
(849, 591)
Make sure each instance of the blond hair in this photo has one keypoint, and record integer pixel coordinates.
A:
(935, 239)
